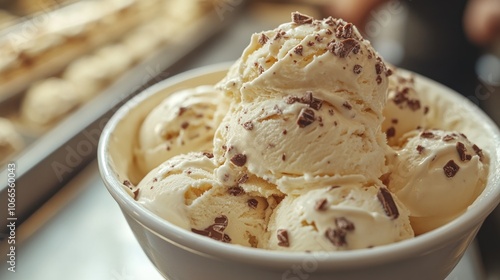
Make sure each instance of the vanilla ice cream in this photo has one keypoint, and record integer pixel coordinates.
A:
(49, 100)
(405, 109)
(184, 191)
(307, 102)
(340, 217)
(437, 175)
(184, 122)
(11, 141)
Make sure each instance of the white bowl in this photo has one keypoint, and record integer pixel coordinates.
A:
(183, 255)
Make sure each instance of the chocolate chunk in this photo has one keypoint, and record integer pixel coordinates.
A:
(390, 132)
(427, 134)
(136, 194)
(263, 39)
(310, 43)
(239, 159)
(279, 34)
(318, 38)
(216, 230)
(127, 183)
(347, 105)
(333, 187)
(344, 48)
(243, 179)
(283, 157)
(313, 102)
(462, 152)
(478, 151)
(357, 69)
(379, 68)
(344, 31)
(306, 117)
(321, 205)
(208, 155)
(253, 203)
(344, 223)
(378, 79)
(420, 149)
(184, 125)
(181, 111)
(448, 138)
(299, 18)
(235, 191)
(298, 49)
(413, 104)
(336, 236)
(390, 207)
(451, 169)
(248, 125)
(282, 235)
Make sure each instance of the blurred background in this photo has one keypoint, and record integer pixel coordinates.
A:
(66, 65)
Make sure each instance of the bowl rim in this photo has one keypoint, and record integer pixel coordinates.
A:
(420, 245)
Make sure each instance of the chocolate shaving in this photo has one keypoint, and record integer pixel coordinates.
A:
(379, 68)
(336, 236)
(313, 102)
(248, 125)
(298, 49)
(390, 132)
(127, 183)
(282, 235)
(344, 223)
(344, 31)
(347, 105)
(253, 203)
(478, 151)
(357, 69)
(235, 191)
(390, 207)
(451, 169)
(344, 47)
(208, 155)
(426, 110)
(462, 152)
(427, 134)
(333, 187)
(136, 194)
(184, 125)
(413, 104)
(239, 159)
(283, 157)
(181, 111)
(243, 179)
(216, 230)
(306, 117)
(263, 39)
(299, 18)
(448, 138)
(378, 79)
(420, 149)
(321, 204)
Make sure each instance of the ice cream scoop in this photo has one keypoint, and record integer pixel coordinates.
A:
(11, 141)
(437, 175)
(339, 217)
(183, 122)
(307, 101)
(184, 191)
(49, 100)
(405, 109)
